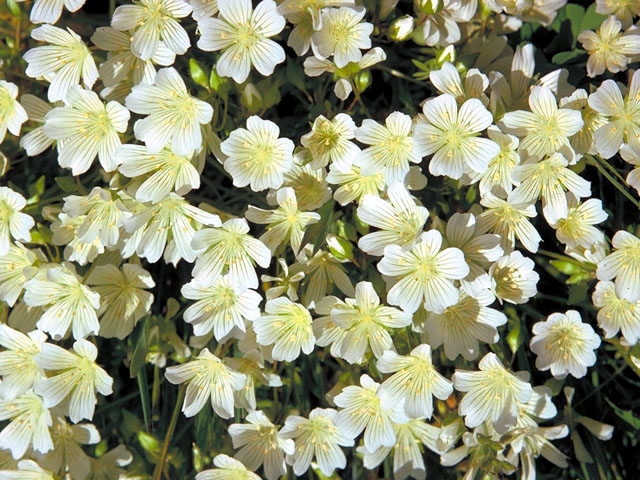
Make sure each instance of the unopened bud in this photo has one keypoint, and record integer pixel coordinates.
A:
(363, 80)
(401, 28)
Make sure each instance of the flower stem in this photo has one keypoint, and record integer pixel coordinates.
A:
(157, 472)
(614, 182)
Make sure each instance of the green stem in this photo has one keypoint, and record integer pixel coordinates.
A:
(396, 73)
(614, 182)
(624, 352)
(157, 472)
(143, 386)
(611, 168)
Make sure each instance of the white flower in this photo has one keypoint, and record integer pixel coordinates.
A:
(287, 282)
(322, 272)
(564, 344)
(17, 364)
(12, 114)
(13, 223)
(230, 249)
(62, 63)
(312, 190)
(342, 35)
(66, 300)
(624, 10)
(514, 279)
(498, 178)
(286, 326)
(414, 379)
(227, 469)
(243, 34)
(49, 11)
(167, 172)
(208, 378)
(400, 220)
(220, 307)
(317, 437)
(154, 20)
(330, 141)
(462, 325)
(616, 314)
(86, 128)
(354, 185)
(27, 470)
(451, 135)
(110, 465)
(251, 364)
(493, 393)
(577, 229)
(426, 273)
(447, 80)
(35, 142)
(361, 410)
(256, 155)
(203, 9)
(77, 378)
(16, 267)
(392, 147)
(173, 115)
(123, 297)
(65, 230)
(29, 426)
(583, 141)
(629, 156)
(623, 264)
(261, 443)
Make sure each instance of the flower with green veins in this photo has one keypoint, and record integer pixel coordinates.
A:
(616, 314)
(13, 223)
(227, 468)
(28, 427)
(12, 114)
(329, 141)
(18, 366)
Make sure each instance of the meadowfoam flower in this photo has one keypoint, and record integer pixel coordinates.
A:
(546, 128)
(220, 307)
(577, 229)
(354, 184)
(26, 469)
(77, 378)
(391, 148)
(414, 379)
(325, 329)
(564, 344)
(624, 10)
(124, 298)
(62, 63)
(256, 156)
(447, 80)
(227, 469)
(623, 113)
(67, 302)
(251, 364)
(13, 223)
(399, 219)
(609, 48)
(285, 224)
(310, 185)
(583, 141)
(18, 367)
(330, 141)
(86, 128)
(451, 135)
(12, 114)
(261, 443)
(317, 437)
(49, 11)
(29, 425)
(286, 283)
(243, 35)
(16, 267)
(362, 410)
(153, 21)
(623, 264)
(65, 230)
(342, 35)
(633, 177)
(548, 179)
(616, 314)
(426, 273)
(322, 272)
(513, 278)
(208, 378)
(35, 142)
(498, 178)
(493, 393)
(462, 326)
(230, 250)
(173, 115)
(286, 326)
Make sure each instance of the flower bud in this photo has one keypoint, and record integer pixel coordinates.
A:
(401, 28)
(363, 80)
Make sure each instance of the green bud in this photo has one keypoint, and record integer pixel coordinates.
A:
(339, 247)
(198, 74)
(401, 28)
(363, 80)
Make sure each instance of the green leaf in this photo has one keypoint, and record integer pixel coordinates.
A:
(575, 15)
(591, 19)
(219, 84)
(577, 294)
(339, 247)
(140, 352)
(198, 74)
(150, 443)
(67, 184)
(626, 415)
(318, 231)
(36, 188)
(567, 57)
(566, 267)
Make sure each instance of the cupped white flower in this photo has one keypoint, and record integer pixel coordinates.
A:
(12, 114)
(514, 278)
(361, 410)
(16, 267)
(577, 228)
(251, 364)
(220, 307)
(124, 298)
(447, 80)
(616, 314)
(78, 377)
(316, 437)
(18, 366)
(227, 468)
(230, 249)
(498, 178)
(624, 10)
(310, 185)
(29, 425)
(244, 35)
(13, 223)
(451, 135)
(35, 142)
(354, 185)
(414, 379)
(399, 219)
(208, 379)
(391, 147)
(330, 141)
(154, 21)
(63, 62)
(49, 11)
(257, 156)
(564, 344)
(173, 115)
(623, 264)
(67, 302)
(65, 230)
(492, 393)
(261, 443)
(343, 35)
(322, 273)
(584, 141)
(426, 273)
(287, 326)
